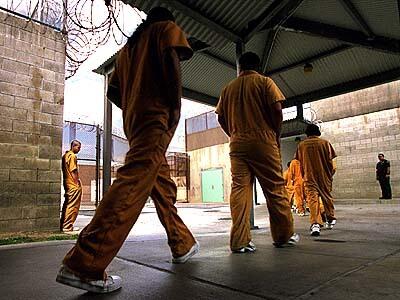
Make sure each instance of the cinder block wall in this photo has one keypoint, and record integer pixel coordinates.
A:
(359, 125)
(31, 119)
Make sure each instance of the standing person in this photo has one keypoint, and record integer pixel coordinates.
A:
(72, 187)
(295, 174)
(287, 178)
(383, 176)
(316, 159)
(146, 84)
(250, 112)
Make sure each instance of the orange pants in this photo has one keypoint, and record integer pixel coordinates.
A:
(145, 173)
(290, 192)
(299, 197)
(263, 160)
(70, 208)
(313, 194)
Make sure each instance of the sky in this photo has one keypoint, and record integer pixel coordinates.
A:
(84, 92)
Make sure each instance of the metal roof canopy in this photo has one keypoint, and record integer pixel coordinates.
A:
(351, 44)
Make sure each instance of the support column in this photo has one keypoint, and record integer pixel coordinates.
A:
(240, 48)
(107, 138)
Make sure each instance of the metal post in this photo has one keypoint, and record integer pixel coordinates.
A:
(97, 165)
(240, 48)
(107, 139)
(299, 109)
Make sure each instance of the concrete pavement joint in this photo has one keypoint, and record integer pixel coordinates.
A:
(313, 291)
(194, 278)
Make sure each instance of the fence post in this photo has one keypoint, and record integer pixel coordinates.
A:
(97, 165)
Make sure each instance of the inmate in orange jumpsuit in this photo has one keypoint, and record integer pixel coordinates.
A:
(295, 173)
(245, 105)
(73, 192)
(150, 114)
(288, 185)
(316, 158)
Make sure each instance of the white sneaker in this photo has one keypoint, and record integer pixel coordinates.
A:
(251, 247)
(182, 259)
(111, 284)
(294, 239)
(329, 225)
(315, 230)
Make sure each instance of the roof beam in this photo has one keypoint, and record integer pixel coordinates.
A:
(348, 36)
(275, 14)
(355, 15)
(199, 97)
(202, 19)
(343, 88)
(217, 58)
(309, 60)
(269, 45)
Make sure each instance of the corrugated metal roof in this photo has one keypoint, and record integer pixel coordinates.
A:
(290, 47)
(326, 11)
(219, 23)
(203, 74)
(343, 67)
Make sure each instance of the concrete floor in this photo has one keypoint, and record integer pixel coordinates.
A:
(359, 259)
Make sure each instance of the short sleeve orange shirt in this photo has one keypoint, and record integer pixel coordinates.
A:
(138, 76)
(69, 164)
(245, 103)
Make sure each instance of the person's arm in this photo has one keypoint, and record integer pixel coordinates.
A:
(334, 166)
(222, 122)
(172, 79)
(277, 118)
(388, 172)
(75, 177)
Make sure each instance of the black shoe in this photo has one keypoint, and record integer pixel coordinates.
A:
(381, 198)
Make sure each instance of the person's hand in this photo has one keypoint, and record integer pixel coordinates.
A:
(387, 175)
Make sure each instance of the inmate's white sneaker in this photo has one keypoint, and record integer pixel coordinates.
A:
(329, 225)
(294, 239)
(110, 284)
(315, 230)
(184, 258)
(251, 247)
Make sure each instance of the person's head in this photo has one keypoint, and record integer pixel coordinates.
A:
(249, 61)
(75, 146)
(312, 130)
(381, 156)
(156, 14)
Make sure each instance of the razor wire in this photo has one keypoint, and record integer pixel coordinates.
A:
(86, 24)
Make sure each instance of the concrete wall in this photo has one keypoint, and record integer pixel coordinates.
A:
(359, 125)
(31, 107)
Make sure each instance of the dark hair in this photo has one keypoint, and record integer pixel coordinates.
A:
(288, 164)
(75, 141)
(156, 14)
(312, 129)
(249, 61)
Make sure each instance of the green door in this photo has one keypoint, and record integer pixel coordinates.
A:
(212, 187)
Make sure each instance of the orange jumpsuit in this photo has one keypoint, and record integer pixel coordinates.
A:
(150, 119)
(73, 192)
(316, 158)
(297, 178)
(288, 185)
(245, 106)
